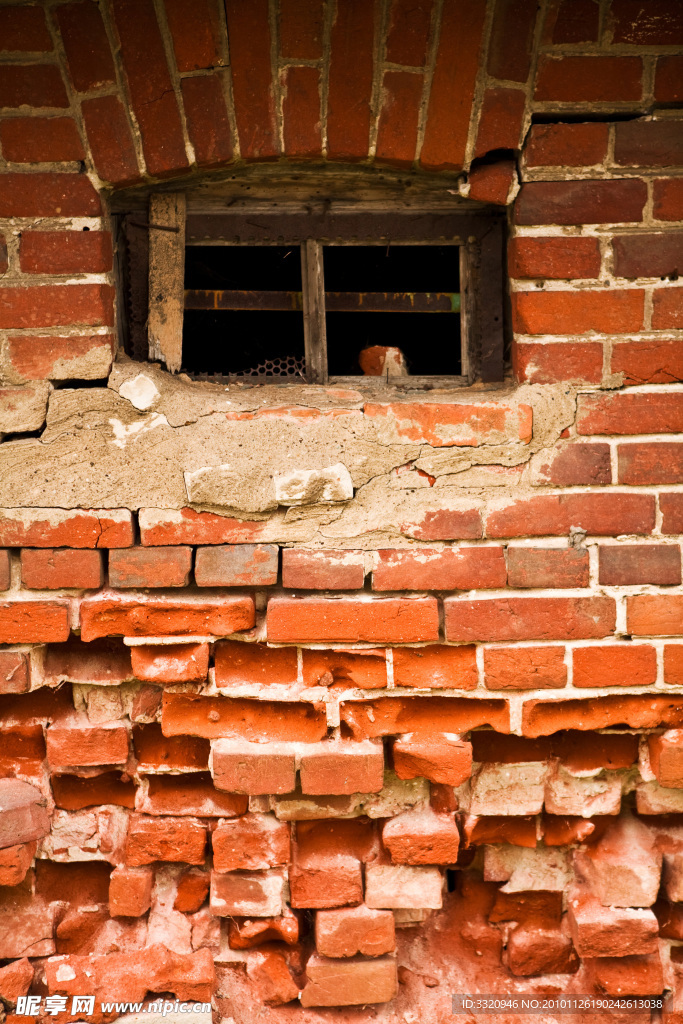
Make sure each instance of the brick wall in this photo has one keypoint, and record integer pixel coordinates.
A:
(425, 736)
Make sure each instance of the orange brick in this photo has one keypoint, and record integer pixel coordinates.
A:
(383, 619)
(618, 665)
(524, 668)
(55, 568)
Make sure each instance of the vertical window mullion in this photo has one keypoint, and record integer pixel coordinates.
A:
(313, 289)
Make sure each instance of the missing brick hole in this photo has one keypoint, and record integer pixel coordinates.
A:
(76, 382)
(451, 880)
(24, 435)
(587, 117)
(495, 156)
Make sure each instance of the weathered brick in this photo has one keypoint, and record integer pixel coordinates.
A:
(673, 664)
(403, 887)
(149, 567)
(387, 716)
(340, 768)
(567, 145)
(443, 425)
(609, 931)
(130, 891)
(455, 74)
(672, 513)
(80, 744)
(348, 118)
(110, 139)
(668, 198)
(351, 930)
(513, 789)
(666, 758)
(655, 614)
(33, 622)
(648, 143)
(617, 201)
(624, 976)
(73, 793)
(55, 568)
(69, 358)
(400, 620)
(27, 140)
(301, 112)
(14, 864)
(192, 794)
(257, 721)
(87, 49)
(421, 836)
(193, 888)
(439, 569)
(364, 668)
(239, 766)
(301, 29)
(206, 115)
(589, 79)
(248, 894)
(667, 308)
(14, 672)
(236, 565)
(574, 312)
(48, 194)
(238, 664)
(556, 258)
(23, 815)
(57, 305)
(574, 464)
(510, 47)
(648, 362)
(349, 982)
(660, 23)
(524, 668)
(440, 758)
(640, 563)
(446, 524)
(500, 122)
(252, 842)
(320, 879)
(249, 40)
(651, 255)
(196, 34)
(615, 665)
(23, 28)
(555, 514)
(650, 463)
(547, 567)
(5, 569)
(170, 839)
(551, 364)
(436, 666)
(99, 663)
(33, 85)
(650, 413)
(322, 570)
(529, 618)
(542, 718)
(147, 615)
(65, 252)
(171, 663)
(186, 526)
(153, 750)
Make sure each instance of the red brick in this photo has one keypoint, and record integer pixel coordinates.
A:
(349, 982)
(149, 83)
(5, 570)
(387, 716)
(625, 976)
(14, 672)
(565, 829)
(673, 664)
(567, 145)
(147, 615)
(301, 29)
(398, 620)
(351, 930)
(365, 669)
(32, 622)
(32, 140)
(578, 751)
(667, 308)
(589, 79)
(193, 888)
(57, 305)
(666, 758)
(153, 750)
(252, 83)
(646, 711)
(130, 891)
(239, 664)
(171, 663)
(640, 563)
(208, 125)
(524, 668)
(615, 665)
(24, 816)
(555, 258)
(73, 793)
(618, 201)
(547, 567)
(574, 464)
(669, 79)
(196, 34)
(491, 182)
(398, 119)
(657, 255)
(326, 881)
(192, 794)
(648, 143)
(341, 768)
(186, 526)
(554, 514)
(53, 569)
(668, 199)
(99, 663)
(494, 828)
(66, 252)
(500, 122)
(248, 894)
(422, 837)
(437, 757)
(436, 666)
(169, 839)
(659, 23)
(672, 512)
(77, 528)
(550, 364)
(32, 85)
(439, 569)
(655, 614)
(110, 139)
(236, 565)
(443, 425)
(651, 463)
(446, 524)
(630, 414)
(254, 721)
(36, 358)
(24, 28)
(648, 362)
(455, 73)
(48, 195)
(578, 312)
(145, 567)
(250, 843)
(577, 21)
(14, 864)
(301, 112)
(241, 766)
(87, 48)
(511, 41)
(348, 109)
(323, 569)
(408, 32)
(529, 618)
(80, 745)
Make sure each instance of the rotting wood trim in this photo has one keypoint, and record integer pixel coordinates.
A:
(166, 278)
(315, 330)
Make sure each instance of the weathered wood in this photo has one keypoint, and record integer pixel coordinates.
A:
(490, 304)
(335, 302)
(166, 278)
(315, 333)
(467, 362)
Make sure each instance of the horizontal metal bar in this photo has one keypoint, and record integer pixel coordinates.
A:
(335, 302)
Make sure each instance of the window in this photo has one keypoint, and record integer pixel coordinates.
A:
(289, 291)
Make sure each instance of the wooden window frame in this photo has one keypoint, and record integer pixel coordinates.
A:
(156, 255)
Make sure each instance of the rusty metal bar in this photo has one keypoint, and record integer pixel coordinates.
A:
(335, 302)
